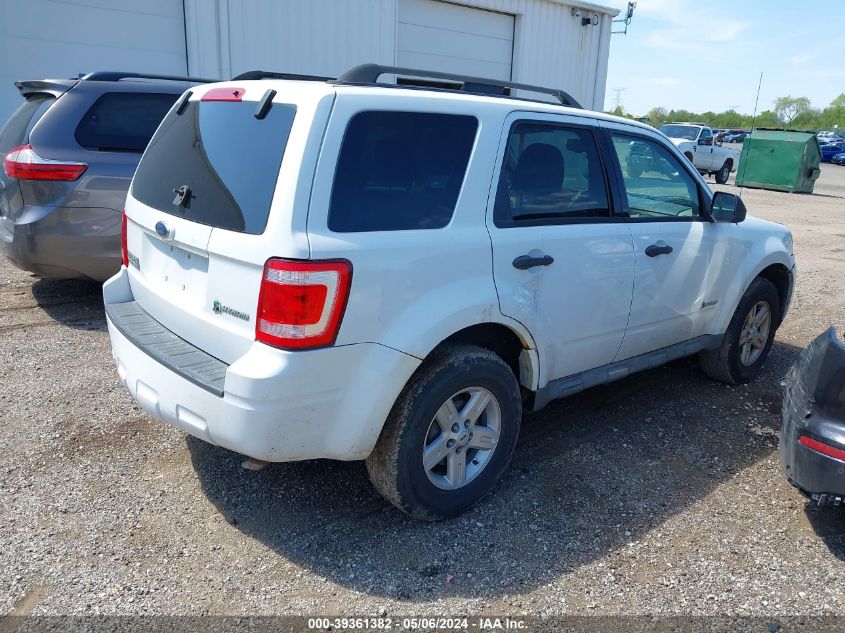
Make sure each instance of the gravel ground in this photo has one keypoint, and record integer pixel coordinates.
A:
(660, 494)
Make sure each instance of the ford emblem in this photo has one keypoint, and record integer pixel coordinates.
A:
(163, 230)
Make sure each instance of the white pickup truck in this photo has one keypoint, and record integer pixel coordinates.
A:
(698, 144)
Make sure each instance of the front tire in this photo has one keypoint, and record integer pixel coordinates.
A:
(749, 336)
(450, 434)
(724, 173)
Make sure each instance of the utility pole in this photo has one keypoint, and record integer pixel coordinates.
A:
(619, 92)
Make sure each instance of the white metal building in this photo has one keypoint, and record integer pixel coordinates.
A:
(558, 43)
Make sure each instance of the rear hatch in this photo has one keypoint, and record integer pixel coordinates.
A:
(39, 96)
(214, 197)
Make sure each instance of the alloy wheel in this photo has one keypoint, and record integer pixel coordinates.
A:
(462, 438)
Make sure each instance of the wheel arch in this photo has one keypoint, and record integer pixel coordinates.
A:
(778, 274)
(773, 269)
(512, 344)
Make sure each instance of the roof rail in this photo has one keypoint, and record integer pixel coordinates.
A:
(369, 73)
(111, 75)
(266, 74)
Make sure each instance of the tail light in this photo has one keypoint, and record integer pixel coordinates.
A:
(22, 163)
(820, 447)
(124, 249)
(301, 304)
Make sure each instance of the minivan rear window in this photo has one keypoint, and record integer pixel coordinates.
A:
(17, 128)
(399, 171)
(216, 164)
(123, 121)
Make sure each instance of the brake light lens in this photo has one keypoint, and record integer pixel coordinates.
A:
(820, 447)
(22, 163)
(224, 94)
(301, 304)
(124, 249)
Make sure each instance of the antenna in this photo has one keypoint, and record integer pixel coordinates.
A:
(753, 118)
(629, 14)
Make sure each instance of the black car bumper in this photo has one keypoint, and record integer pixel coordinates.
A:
(812, 442)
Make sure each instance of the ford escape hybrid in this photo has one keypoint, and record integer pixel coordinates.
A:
(353, 270)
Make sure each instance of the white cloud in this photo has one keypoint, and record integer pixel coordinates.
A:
(800, 60)
(689, 24)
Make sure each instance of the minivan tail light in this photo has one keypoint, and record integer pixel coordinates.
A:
(821, 447)
(124, 249)
(22, 163)
(301, 303)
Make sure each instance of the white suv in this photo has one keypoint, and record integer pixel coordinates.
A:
(351, 270)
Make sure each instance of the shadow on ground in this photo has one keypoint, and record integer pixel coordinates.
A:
(72, 302)
(829, 524)
(590, 474)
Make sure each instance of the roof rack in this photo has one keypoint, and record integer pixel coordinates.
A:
(111, 75)
(368, 74)
(266, 74)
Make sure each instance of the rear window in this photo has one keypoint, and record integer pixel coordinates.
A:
(20, 124)
(216, 164)
(122, 121)
(400, 171)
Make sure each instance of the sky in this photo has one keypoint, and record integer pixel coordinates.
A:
(707, 55)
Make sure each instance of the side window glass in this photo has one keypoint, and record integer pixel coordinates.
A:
(122, 121)
(549, 172)
(656, 184)
(399, 171)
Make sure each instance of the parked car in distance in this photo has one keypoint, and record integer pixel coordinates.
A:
(735, 137)
(838, 159)
(829, 137)
(696, 143)
(69, 152)
(829, 150)
(393, 274)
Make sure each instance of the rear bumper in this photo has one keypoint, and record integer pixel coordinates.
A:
(814, 406)
(63, 242)
(276, 405)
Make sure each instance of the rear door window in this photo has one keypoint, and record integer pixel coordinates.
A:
(550, 173)
(20, 124)
(122, 121)
(216, 164)
(400, 171)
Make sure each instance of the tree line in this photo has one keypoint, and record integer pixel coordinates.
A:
(796, 113)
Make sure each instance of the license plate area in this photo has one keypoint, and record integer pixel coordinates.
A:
(175, 271)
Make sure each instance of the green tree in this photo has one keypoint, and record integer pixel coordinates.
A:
(838, 102)
(657, 116)
(789, 108)
(767, 118)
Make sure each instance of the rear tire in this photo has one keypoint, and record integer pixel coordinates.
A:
(745, 346)
(724, 173)
(422, 426)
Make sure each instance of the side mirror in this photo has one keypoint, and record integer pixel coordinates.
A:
(706, 141)
(727, 207)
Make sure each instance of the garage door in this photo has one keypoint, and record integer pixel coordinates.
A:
(50, 38)
(447, 37)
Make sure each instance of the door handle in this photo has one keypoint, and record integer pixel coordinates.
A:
(658, 249)
(524, 262)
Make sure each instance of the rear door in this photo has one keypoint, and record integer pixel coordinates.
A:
(209, 204)
(563, 263)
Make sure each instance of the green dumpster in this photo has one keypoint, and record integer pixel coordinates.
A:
(782, 160)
